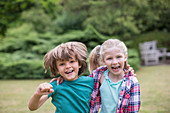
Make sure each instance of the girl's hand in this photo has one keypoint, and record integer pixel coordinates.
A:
(130, 69)
(44, 89)
(59, 80)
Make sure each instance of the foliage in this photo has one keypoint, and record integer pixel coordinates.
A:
(162, 37)
(22, 52)
(29, 29)
(14, 66)
(11, 11)
(133, 59)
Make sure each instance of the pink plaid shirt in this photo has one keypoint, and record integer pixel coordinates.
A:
(129, 98)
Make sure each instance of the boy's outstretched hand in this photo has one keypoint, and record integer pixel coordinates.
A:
(44, 89)
(130, 69)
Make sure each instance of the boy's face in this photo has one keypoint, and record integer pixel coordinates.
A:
(68, 69)
(114, 59)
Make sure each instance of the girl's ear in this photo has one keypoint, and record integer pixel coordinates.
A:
(126, 62)
(102, 62)
(126, 57)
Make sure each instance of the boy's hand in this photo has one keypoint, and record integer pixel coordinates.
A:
(59, 80)
(44, 89)
(130, 69)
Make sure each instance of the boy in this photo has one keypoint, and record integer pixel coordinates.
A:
(73, 95)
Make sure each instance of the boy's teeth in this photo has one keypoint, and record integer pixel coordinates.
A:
(69, 72)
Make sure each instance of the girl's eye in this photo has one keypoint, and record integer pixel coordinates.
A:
(109, 59)
(119, 57)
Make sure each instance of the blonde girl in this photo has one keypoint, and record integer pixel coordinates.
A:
(114, 91)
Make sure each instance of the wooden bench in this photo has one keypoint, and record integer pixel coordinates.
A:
(150, 54)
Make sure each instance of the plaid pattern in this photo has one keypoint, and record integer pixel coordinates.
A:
(129, 98)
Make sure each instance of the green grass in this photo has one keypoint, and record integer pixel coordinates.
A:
(15, 95)
(155, 89)
(154, 82)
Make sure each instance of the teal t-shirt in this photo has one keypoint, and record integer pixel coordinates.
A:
(109, 92)
(72, 96)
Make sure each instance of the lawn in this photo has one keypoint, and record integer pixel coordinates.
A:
(154, 82)
(155, 89)
(15, 95)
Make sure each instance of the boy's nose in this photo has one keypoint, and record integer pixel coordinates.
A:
(68, 65)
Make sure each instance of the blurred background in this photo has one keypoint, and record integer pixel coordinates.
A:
(30, 28)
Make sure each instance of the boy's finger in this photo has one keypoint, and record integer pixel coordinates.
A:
(58, 82)
(61, 81)
(51, 91)
(53, 80)
(47, 88)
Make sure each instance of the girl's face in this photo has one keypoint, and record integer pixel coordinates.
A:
(114, 58)
(68, 69)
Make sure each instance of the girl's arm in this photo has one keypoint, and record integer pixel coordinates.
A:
(40, 96)
(134, 102)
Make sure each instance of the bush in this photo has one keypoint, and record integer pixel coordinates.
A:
(133, 59)
(162, 37)
(22, 52)
(13, 66)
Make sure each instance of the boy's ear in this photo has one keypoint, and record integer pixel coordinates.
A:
(58, 72)
(79, 66)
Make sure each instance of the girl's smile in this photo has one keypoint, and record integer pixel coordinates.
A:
(116, 68)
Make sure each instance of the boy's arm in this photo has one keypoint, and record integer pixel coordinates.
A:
(40, 96)
(36, 101)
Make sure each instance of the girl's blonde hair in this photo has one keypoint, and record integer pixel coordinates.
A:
(63, 52)
(94, 58)
(96, 55)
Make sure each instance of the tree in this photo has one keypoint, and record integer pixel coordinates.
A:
(11, 11)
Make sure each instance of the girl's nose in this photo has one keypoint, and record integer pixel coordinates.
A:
(114, 61)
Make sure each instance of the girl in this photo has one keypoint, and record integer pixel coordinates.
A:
(73, 95)
(118, 92)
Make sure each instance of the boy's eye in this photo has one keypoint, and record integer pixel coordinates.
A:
(72, 61)
(61, 64)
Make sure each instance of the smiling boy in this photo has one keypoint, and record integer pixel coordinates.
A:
(73, 95)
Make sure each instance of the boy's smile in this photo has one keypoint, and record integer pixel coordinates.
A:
(68, 68)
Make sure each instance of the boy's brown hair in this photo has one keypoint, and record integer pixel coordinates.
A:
(63, 52)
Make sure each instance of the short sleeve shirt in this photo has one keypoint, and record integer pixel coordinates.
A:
(72, 96)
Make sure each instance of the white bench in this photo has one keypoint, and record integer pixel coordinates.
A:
(150, 54)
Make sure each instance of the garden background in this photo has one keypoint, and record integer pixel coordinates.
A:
(30, 28)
